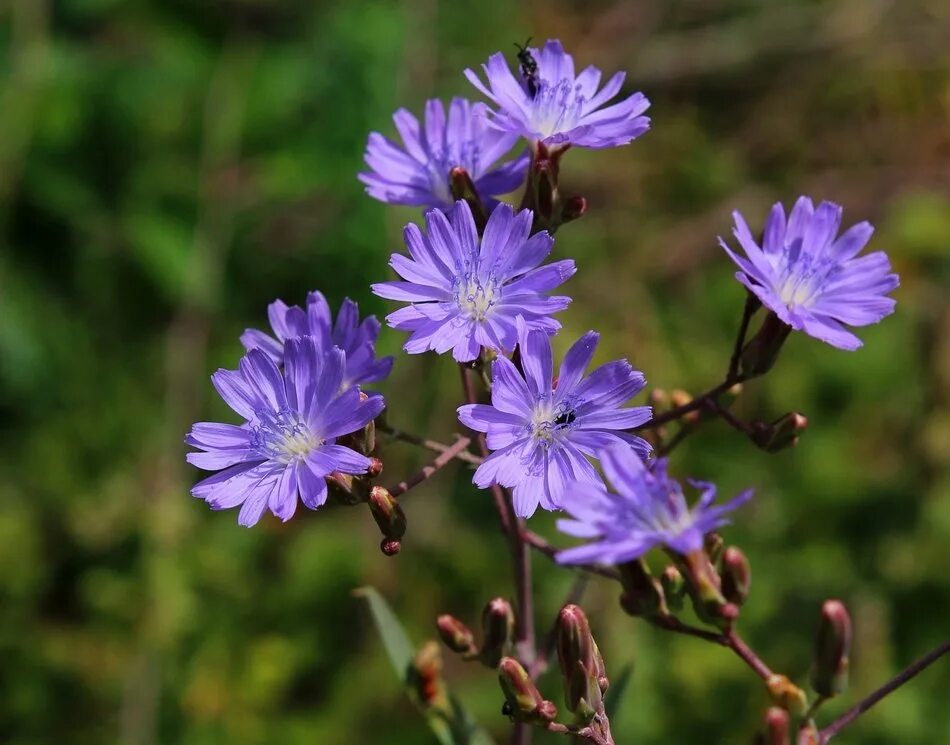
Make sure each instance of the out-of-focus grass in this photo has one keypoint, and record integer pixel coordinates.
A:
(167, 168)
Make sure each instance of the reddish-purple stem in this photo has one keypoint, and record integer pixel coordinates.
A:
(892, 685)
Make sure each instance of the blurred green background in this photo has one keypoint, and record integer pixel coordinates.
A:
(168, 167)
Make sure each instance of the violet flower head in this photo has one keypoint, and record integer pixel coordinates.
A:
(648, 509)
(418, 172)
(810, 277)
(287, 445)
(542, 429)
(555, 107)
(465, 292)
(357, 339)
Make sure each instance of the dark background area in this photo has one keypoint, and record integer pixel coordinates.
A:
(169, 167)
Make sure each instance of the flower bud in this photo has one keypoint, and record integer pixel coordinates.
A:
(703, 585)
(498, 625)
(787, 695)
(574, 208)
(714, 544)
(678, 398)
(462, 187)
(375, 468)
(582, 667)
(736, 575)
(780, 434)
(761, 352)
(642, 594)
(829, 671)
(387, 513)
(674, 588)
(521, 694)
(456, 635)
(777, 727)
(390, 547)
(425, 676)
(659, 400)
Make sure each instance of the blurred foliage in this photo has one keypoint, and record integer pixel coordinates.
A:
(167, 167)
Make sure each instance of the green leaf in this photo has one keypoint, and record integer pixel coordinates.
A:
(454, 726)
(397, 644)
(615, 693)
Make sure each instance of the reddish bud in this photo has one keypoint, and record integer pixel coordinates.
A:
(777, 729)
(829, 671)
(390, 547)
(736, 576)
(375, 468)
(574, 208)
(498, 625)
(582, 667)
(456, 635)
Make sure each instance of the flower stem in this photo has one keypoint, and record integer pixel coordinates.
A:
(520, 556)
(436, 465)
(464, 455)
(737, 645)
(892, 685)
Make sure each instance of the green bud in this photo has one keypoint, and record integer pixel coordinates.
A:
(498, 626)
(521, 693)
(787, 695)
(736, 576)
(777, 729)
(760, 353)
(703, 585)
(456, 635)
(387, 513)
(780, 434)
(642, 594)
(714, 544)
(829, 670)
(674, 588)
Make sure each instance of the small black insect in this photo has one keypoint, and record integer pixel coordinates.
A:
(566, 418)
(507, 710)
(529, 68)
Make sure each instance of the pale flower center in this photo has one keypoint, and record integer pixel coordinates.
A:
(801, 283)
(557, 108)
(549, 424)
(475, 296)
(283, 436)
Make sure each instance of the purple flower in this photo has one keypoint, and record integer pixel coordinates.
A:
(466, 292)
(357, 340)
(287, 445)
(542, 428)
(418, 173)
(558, 108)
(808, 275)
(647, 510)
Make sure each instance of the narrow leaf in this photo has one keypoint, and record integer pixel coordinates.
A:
(615, 693)
(397, 644)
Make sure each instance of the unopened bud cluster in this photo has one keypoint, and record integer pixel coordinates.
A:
(498, 623)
